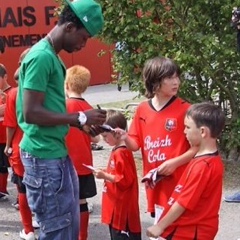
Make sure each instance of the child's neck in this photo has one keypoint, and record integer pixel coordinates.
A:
(120, 143)
(159, 101)
(5, 86)
(209, 146)
(74, 95)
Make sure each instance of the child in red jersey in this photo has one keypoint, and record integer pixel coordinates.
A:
(4, 163)
(14, 136)
(192, 210)
(158, 130)
(76, 83)
(120, 208)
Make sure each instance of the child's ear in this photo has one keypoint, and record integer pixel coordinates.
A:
(204, 131)
(66, 86)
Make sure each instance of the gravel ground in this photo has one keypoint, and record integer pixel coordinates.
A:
(10, 224)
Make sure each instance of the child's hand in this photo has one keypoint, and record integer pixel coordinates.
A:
(99, 173)
(154, 231)
(167, 168)
(2, 109)
(120, 133)
(8, 151)
(3, 96)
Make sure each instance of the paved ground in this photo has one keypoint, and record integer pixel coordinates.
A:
(107, 93)
(10, 224)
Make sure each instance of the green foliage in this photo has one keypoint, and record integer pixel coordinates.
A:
(196, 34)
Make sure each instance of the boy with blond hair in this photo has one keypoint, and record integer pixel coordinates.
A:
(192, 210)
(76, 83)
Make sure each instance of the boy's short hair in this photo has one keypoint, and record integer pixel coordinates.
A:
(22, 56)
(155, 70)
(116, 119)
(67, 15)
(209, 115)
(78, 78)
(3, 70)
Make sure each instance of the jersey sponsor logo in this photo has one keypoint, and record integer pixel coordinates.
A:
(171, 124)
(153, 146)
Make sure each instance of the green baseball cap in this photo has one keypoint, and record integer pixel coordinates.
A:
(90, 14)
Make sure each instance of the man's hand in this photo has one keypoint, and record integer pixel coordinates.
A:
(93, 130)
(95, 116)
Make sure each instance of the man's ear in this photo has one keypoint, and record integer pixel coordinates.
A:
(69, 26)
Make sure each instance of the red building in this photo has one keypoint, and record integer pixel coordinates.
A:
(24, 22)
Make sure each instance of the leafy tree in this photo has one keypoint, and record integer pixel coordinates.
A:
(197, 35)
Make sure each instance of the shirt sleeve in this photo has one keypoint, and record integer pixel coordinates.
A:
(37, 71)
(124, 174)
(134, 129)
(10, 119)
(195, 183)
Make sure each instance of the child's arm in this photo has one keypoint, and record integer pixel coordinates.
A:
(101, 174)
(10, 133)
(130, 143)
(2, 109)
(169, 166)
(172, 215)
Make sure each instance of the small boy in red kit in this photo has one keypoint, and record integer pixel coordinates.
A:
(192, 210)
(14, 136)
(77, 81)
(120, 208)
(4, 163)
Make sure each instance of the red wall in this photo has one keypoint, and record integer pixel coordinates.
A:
(24, 22)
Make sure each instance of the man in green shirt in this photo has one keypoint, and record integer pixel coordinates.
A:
(50, 178)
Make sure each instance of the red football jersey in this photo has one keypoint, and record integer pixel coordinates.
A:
(10, 120)
(160, 135)
(2, 127)
(120, 199)
(79, 143)
(199, 191)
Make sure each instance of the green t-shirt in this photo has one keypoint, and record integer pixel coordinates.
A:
(42, 71)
